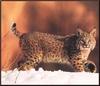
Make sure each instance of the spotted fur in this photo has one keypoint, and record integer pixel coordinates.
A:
(40, 47)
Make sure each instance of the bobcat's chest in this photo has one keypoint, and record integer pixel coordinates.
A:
(85, 54)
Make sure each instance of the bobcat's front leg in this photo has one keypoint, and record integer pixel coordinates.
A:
(81, 65)
(77, 64)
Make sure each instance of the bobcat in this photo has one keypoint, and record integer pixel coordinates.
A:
(40, 47)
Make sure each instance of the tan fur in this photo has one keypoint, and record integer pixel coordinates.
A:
(40, 47)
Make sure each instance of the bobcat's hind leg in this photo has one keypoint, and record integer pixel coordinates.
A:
(27, 65)
(30, 61)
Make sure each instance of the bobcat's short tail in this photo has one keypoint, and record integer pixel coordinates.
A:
(15, 31)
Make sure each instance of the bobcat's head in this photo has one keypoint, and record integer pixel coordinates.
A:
(79, 41)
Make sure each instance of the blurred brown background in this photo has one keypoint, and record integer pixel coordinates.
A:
(62, 18)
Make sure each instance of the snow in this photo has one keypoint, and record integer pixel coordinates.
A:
(42, 77)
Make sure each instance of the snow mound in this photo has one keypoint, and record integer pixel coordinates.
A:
(42, 77)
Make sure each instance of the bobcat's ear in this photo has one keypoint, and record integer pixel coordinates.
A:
(93, 33)
(79, 32)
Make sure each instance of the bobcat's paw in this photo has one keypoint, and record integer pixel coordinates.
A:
(90, 66)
